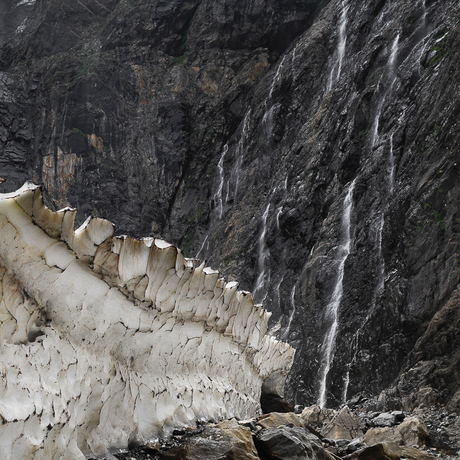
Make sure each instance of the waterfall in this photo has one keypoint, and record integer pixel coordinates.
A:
(291, 316)
(392, 167)
(278, 212)
(240, 151)
(381, 275)
(392, 60)
(332, 309)
(424, 13)
(259, 288)
(219, 192)
(337, 67)
(277, 77)
(391, 79)
(202, 247)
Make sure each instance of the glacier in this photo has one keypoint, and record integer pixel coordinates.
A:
(108, 341)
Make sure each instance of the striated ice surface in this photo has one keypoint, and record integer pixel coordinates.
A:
(107, 340)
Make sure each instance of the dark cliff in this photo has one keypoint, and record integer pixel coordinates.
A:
(308, 149)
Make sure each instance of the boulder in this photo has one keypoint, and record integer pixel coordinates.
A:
(315, 416)
(389, 451)
(412, 432)
(289, 443)
(225, 441)
(378, 435)
(404, 452)
(344, 426)
(375, 452)
(276, 419)
(384, 419)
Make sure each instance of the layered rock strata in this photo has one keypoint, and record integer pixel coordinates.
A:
(109, 340)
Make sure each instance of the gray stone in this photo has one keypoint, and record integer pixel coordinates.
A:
(355, 445)
(290, 443)
(384, 420)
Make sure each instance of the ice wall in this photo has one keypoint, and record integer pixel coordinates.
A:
(107, 340)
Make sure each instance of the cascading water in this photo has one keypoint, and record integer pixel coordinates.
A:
(291, 316)
(260, 291)
(380, 276)
(219, 193)
(202, 247)
(240, 151)
(424, 13)
(277, 291)
(391, 80)
(392, 167)
(332, 309)
(276, 78)
(337, 67)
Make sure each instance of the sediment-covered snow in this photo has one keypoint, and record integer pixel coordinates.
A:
(106, 340)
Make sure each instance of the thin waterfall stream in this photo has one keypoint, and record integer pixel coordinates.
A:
(332, 309)
(391, 81)
(337, 67)
(291, 316)
(240, 151)
(276, 78)
(380, 285)
(219, 193)
(259, 291)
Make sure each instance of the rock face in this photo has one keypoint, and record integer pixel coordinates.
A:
(108, 340)
(310, 151)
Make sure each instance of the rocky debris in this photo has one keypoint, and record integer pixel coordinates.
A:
(316, 417)
(344, 425)
(140, 94)
(281, 436)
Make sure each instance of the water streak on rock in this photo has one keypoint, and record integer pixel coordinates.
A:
(392, 167)
(291, 316)
(202, 246)
(276, 78)
(332, 310)
(240, 151)
(337, 67)
(391, 66)
(219, 193)
(260, 291)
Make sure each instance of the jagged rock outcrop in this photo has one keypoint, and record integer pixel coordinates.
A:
(108, 340)
(321, 170)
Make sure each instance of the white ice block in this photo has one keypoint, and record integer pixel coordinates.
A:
(105, 338)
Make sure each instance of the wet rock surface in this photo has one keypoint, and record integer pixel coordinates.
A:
(197, 122)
